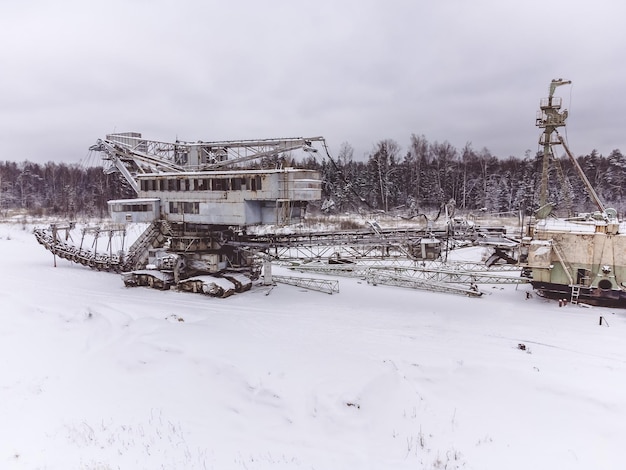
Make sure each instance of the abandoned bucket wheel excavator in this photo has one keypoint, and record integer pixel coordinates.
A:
(197, 200)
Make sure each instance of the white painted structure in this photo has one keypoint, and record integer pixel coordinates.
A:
(173, 183)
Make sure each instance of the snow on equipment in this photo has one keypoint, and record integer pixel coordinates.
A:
(198, 202)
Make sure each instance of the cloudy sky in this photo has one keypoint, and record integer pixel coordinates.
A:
(354, 71)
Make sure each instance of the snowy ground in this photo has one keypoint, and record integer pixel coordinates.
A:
(97, 376)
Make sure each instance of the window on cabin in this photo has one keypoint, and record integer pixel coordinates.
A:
(235, 184)
(191, 207)
(256, 183)
(132, 207)
(203, 184)
(220, 184)
(184, 207)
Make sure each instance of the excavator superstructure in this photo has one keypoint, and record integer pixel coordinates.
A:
(204, 183)
(196, 197)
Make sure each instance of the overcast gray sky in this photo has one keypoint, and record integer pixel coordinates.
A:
(355, 71)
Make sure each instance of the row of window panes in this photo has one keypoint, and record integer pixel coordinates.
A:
(202, 184)
(184, 207)
(132, 208)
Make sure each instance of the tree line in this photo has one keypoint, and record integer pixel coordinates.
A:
(58, 189)
(422, 178)
(430, 174)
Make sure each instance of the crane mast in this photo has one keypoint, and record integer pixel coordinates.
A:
(550, 119)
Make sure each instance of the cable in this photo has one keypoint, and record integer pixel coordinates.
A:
(343, 178)
(569, 109)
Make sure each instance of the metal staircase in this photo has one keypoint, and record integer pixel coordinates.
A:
(152, 237)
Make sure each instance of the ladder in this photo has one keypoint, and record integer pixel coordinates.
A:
(575, 293)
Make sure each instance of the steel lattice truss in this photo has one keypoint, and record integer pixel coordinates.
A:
(175, 156)
(392, 279)
(435, 271)
(328, 286)
(352, 245)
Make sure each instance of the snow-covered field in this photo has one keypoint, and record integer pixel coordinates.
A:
(97, 376)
